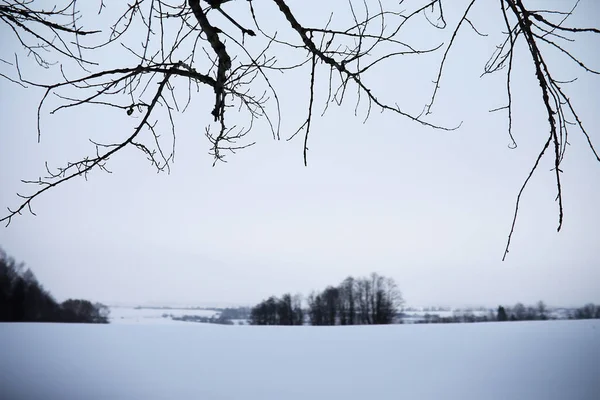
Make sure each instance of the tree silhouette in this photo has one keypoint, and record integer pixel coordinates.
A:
(178, 54)
(286, 310)
(24, 299)
(542, 310)
(502, 316)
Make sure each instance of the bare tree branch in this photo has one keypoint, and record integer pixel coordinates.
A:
(175, 42)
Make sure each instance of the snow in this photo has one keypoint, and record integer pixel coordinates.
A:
(512, 360)
(131, 315)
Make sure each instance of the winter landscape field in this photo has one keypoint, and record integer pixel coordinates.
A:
(520, 360)
(135, 315)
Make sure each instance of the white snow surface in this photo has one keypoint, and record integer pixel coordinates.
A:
(131, 315)
(511, 360)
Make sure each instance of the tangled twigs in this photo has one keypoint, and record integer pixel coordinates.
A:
(535, 30)
(177, 51)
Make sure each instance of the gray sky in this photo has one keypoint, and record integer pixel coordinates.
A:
(431, 209)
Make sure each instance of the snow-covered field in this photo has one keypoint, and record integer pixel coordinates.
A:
(131, 315)
(517, 360)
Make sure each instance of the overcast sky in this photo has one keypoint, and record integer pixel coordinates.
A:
(432, 209)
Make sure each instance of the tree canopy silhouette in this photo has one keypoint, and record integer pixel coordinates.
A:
(24, 299)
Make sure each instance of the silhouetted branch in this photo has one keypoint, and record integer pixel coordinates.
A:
(173, 42)
(553, 97)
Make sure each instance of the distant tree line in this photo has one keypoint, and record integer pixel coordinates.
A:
(225, 316)
(589, 311)
(200, 318)
(286, 310)
(462, 317)
(355, 301)
(24, 299)
(518, 312)
(540, 312)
